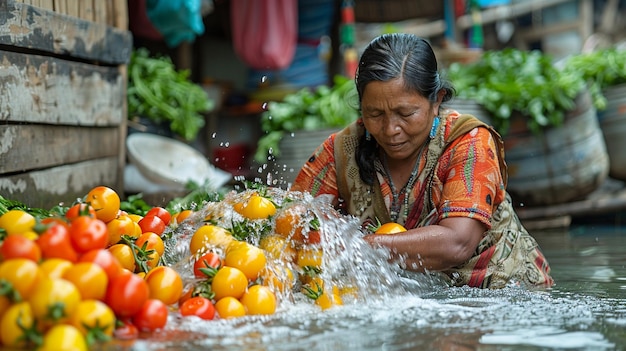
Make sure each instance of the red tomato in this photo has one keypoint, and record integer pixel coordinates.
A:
(198, 306)
(152, 223)
(105, 201)
(161, 213)
(126, 294)
(105, 259)
(125, 330)
(208, 262)
(15, 246)
(80, 209)
(151, 316)
(88, 233)
(55, 242)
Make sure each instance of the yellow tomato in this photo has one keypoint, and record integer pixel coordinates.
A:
(95, 318)
(55, 267)
(256, 207)
(259, 299)
(277, 247)
(14, 323)
(279, 279)
(309, 256)
(229, 281)
(229, 307)
(135, 217)
(54, 300)
(17, 222)
(23, 274)
(124, 254)
(63, 337)
(208, 236)
(247, 258)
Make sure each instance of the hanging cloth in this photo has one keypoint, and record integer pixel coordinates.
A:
(265, 32)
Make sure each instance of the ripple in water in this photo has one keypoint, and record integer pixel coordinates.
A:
(393, 310)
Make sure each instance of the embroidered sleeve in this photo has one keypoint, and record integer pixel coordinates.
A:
(318, 175)
(471, 181)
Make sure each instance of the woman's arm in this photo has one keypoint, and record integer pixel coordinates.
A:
(435, 247)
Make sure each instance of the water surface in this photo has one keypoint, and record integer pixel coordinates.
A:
(585, 310)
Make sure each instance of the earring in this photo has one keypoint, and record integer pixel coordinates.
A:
(368, 136)
(433, 130)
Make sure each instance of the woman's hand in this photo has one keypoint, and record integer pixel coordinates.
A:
(438, 247)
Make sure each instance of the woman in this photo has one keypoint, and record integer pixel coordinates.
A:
(438, 173)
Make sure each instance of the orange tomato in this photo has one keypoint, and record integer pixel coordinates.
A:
(390, 228)
(165, 284)
(124, 254)
(122, 225)
(89, 278)
(105, 201)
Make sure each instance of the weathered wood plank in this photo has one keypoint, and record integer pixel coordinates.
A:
(85, 8)
(72, 9)
(27, 147)
(46, 4)
(30, 27)
(42, 89)
(121, 14)
(60, 6)
(100, 12)
(49, 187)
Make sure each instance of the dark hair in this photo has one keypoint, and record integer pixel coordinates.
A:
(390, 56)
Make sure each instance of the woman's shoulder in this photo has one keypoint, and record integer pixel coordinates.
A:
(458, 124)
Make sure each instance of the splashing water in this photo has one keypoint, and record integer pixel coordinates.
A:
(393, 310)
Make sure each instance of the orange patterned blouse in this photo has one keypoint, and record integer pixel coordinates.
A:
(468, 181)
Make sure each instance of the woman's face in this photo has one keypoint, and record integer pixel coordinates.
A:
(398, 119)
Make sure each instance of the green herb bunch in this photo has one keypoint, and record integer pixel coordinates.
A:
(160, 92)
(601, 69)
(307, 109)
(512, 80)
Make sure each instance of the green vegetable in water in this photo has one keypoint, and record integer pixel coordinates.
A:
(513, 80)
(307, 109)
(158, 91)
(601, 69)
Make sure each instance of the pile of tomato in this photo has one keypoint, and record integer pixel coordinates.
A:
(95, 273)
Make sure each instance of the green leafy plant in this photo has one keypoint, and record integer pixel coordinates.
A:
(307, 109)
(601, 69)
(160, 92)
(512, 80)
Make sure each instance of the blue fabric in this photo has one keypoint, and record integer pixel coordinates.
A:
(176, 20)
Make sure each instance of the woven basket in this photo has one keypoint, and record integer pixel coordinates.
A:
(396, 10)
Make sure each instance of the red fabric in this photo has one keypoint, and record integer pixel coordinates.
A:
(265, 32)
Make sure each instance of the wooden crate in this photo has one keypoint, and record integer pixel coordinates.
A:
(62, 98)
